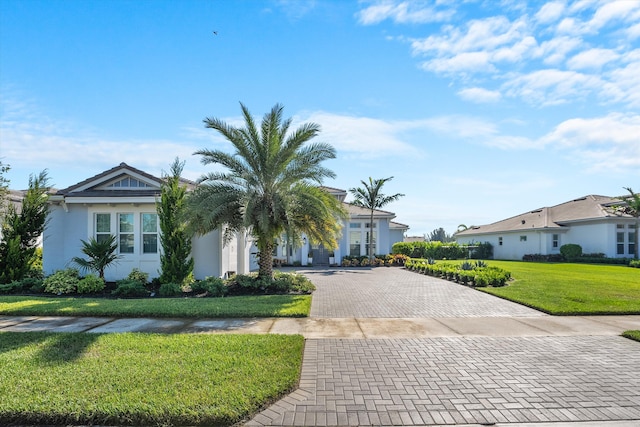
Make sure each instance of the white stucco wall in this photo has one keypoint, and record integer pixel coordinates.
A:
(62, 235)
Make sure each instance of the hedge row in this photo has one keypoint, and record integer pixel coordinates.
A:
(439, 250)
(469, 274)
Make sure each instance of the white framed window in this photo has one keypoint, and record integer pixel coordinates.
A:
(523, 238)
(102, 226)
(555, 241)
(620, 243)
(499, 241)
(149, 233)
(354, 243)
(372, 242)
(126, 239)
(354, 225)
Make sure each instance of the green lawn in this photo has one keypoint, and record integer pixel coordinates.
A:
(634, 335)
(572, 289)
(245, 306)
(143, 379)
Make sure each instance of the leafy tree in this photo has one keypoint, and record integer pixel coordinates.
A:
(4, 186)
(21, 230)
(268, 186)
(101, 254)
(175, 261)
(439, 235)
(632, 208)
(370, 197)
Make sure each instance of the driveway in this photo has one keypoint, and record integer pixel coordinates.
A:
(486, 380)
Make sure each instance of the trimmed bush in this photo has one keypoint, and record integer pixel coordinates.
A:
(11, 288)
(62, 282)
(467, 273)
(139, 276)
(571, 250)
(90, 284)
(130, 288)
(439, 250)
(170, 290)
(212, 286)
(634, 263)
(293, 283)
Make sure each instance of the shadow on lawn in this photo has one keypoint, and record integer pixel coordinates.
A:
(53, 347)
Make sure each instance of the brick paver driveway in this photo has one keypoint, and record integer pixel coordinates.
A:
(450, 380)
(395, 292)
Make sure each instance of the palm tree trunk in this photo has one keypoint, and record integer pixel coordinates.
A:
(265, 261)
(371, 239)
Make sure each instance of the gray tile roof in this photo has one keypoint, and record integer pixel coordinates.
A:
(586, 208)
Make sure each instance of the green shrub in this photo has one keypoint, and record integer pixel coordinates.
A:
(11, 288)
(571, 250)
(634, 263)
(62, 282)
(291, 283)
(212, 286)
(170, 290)
(130, 288)
(90, 284)
(139, 276)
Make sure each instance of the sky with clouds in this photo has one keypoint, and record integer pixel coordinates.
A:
(480, 110)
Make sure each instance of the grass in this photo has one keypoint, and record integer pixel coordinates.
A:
(572, 289)
(244, 306)
(142, 379)
(634, 335)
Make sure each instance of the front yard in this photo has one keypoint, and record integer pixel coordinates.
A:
(571, 289)
(142, 379)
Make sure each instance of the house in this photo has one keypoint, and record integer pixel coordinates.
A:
(591, 222)
(122, 201)
(354, 240)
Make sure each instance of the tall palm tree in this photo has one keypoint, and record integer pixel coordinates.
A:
(633, 208)
(370, 197)
(268, 187)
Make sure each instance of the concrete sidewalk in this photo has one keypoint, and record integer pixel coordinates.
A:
(353, 328)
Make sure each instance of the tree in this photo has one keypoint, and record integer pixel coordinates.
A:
(439, 235)
(371, 198)
(175, 261)
(268, 186)
(21, 230)
(4, 186)
(632, 208)
(101, 254)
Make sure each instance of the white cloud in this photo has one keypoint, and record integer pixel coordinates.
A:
(551, 86)
(463, 63)
(480, 95)
(612, 11)
(592, 59)
(550, 12)
(402, 12)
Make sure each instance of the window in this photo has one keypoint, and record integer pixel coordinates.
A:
(125, 233)
(556, 241)
(149, 233)
(128, 182)
(499, 241)
(373, 242)
(103, 227)
(632, 242)
(368, 225)
(354, 225)
(523, 238)
(620, 243)
(354, 243)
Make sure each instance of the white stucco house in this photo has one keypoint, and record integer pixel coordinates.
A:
(122, 201)
(590, 221)
(354, 240)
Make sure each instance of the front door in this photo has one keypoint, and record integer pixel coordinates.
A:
(320, 255)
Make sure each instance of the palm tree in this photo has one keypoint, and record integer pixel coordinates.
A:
(268, 187)
(101, 254)
(371, 198)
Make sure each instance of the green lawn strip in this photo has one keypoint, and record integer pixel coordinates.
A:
(634, 335)
(245, 306)
(143, 379)
(572, 289)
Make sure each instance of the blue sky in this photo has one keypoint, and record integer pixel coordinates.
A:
(480, 110)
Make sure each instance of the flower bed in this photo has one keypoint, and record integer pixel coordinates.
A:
(474, 274)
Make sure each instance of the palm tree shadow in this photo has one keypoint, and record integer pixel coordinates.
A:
(54, 347)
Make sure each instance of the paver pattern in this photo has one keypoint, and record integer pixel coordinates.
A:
(463, 381)
(398, 293)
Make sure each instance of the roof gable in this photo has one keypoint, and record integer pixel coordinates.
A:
(106, 183)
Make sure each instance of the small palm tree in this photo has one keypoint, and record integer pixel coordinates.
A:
(371, 198)
(101, 255)
(268, 186)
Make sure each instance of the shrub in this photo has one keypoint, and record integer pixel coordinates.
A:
(62, 282)
(130, 288)
(292, 283)
(346, 262)
(11, 288)
(571, 250)
(170, 290)
(212, 286)
(139, 276)
(90, 284)
(634, 263)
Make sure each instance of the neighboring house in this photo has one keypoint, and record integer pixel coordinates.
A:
(122, 201)
(355, 236)
(413, 239)
(591, 222)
